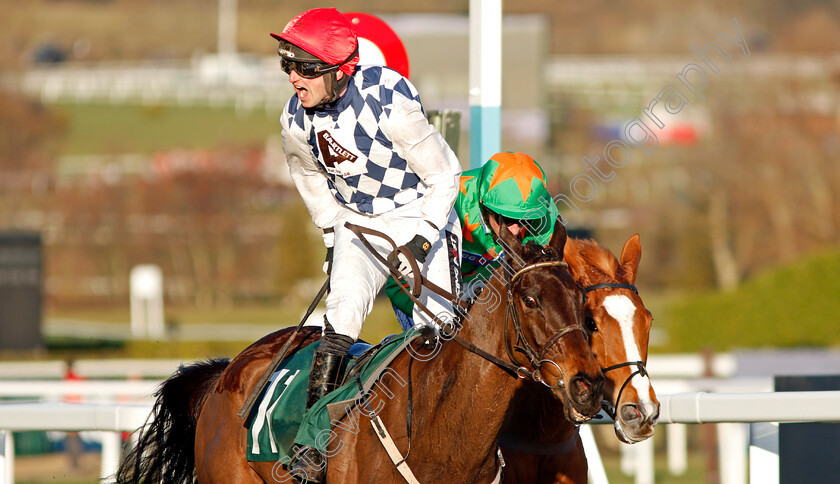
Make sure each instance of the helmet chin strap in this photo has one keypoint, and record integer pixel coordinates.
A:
(334, 87)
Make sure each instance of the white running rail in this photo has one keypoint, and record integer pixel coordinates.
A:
(110, 419)
(685, 408)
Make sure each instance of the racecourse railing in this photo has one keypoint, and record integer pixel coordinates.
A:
(727, 409)
(678, 366)
(109, 419)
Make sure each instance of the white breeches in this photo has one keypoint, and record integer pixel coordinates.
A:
(357, 276)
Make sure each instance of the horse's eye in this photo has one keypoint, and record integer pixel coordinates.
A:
(529, 301)
(590, 324)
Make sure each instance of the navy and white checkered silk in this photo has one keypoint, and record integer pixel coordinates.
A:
(365, 173)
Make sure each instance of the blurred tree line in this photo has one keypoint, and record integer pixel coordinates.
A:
(222, 233)
(758, 188)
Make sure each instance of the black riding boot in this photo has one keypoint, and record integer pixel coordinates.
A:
(328, 364)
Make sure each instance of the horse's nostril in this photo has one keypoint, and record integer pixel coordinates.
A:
(630, 413)
(583, 385)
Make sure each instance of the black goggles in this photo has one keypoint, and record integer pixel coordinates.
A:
(513, 221)
(310, 69)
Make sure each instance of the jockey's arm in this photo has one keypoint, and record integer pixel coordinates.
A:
(428, 155)
(311, 182)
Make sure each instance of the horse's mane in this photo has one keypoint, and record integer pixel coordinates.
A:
(597, 257)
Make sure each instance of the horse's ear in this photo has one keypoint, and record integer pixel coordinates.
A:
(558, 238)
(631, 254)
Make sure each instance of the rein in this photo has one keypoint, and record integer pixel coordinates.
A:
(514, 369)
(517, 371)
(610, 407)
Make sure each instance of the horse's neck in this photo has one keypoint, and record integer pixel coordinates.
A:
(538, 415)
(467, 392)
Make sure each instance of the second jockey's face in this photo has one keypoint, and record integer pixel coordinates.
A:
(515, 227)
(310, 92)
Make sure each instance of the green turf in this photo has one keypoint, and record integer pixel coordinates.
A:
(106, 129)
(791, 306)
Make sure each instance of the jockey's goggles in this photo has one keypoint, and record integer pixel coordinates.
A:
(513, 221)
(310, 69)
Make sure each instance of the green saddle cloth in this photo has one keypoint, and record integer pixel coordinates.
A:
(279, 420)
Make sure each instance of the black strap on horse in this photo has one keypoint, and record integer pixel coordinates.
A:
(280, 356)
(609, 407)
(609, 285)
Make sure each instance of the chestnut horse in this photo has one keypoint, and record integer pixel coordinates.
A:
(444, 422)
(538, 445)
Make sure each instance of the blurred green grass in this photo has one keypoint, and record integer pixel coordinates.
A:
(380, 323)
(792, 306)
(796, 305)
(107, 129)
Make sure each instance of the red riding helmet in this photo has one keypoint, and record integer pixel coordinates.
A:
(325, 33)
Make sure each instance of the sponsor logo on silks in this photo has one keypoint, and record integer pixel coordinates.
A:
(333, 154)
(454, 263)
(476, 259)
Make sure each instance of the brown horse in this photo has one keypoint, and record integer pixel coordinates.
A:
(538, 445)
(444, 422)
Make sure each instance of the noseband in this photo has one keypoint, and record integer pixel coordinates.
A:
(535, 358)
(609, 407)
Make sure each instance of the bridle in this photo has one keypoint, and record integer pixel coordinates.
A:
(641, 370)
(535, 358)
(521, 344)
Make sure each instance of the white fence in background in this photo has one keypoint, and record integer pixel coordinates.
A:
(110, 419)
(662, 367)
(729, 410)
(87, 390)
(246, 82)
(744, 409)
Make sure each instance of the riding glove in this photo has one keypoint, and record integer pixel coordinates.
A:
(419, 247)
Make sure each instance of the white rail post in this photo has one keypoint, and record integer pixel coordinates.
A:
(110, 458)
(146, 287)
(597, 473)
(644, 461)
(677, 442)
(628, 459)
(732, 452)
(7, 457)
(485, 80)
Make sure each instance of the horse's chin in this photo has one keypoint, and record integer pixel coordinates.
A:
(578, 413)
(630, 436)
(576, 417)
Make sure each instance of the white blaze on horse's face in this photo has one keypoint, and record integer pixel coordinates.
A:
(622, 309)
